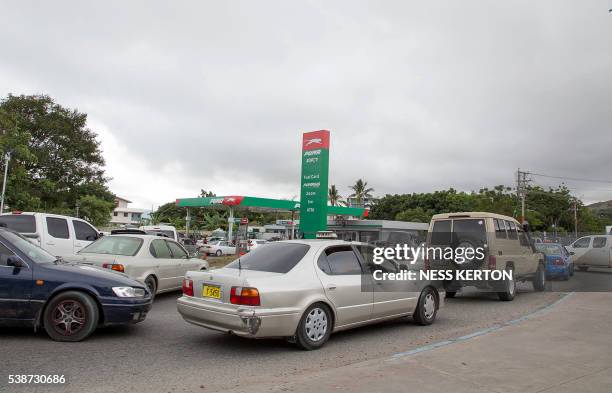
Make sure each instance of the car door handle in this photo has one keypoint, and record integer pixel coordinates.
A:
(331, 287)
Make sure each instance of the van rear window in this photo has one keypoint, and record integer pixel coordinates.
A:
(274, 258)
(22, 223)
(441, 233)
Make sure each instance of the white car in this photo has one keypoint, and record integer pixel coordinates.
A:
(159, 262)
(304, 290)
(58, 235)
(218, 248)
(256, 243)
(592, 251)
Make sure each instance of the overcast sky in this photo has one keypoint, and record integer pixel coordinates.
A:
(418, 96)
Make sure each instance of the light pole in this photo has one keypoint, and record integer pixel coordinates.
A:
(7, 158)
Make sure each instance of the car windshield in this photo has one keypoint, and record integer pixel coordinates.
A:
(114, 245)
(548, 249)
(34, 252)
(274, 258)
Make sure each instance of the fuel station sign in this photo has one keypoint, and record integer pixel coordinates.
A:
(314, 183)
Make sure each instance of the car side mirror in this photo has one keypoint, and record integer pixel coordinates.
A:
(100, 235)
(12, 260)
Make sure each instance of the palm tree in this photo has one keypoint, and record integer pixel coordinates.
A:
(360, 191)
(335, 199)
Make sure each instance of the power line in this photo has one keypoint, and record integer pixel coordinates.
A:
(572, 178)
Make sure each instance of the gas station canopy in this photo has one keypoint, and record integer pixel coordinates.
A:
(264, 204)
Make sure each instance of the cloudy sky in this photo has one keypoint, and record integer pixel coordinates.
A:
(419, 96)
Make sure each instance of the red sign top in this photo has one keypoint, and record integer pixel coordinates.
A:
(315, 140)
(232, 200)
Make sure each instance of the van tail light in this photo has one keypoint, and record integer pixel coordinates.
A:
(426, 264)
(245, 296)
(187, 287)
(492, 262)
(114, 266)
(557, 262)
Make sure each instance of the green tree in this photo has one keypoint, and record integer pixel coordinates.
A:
(95, 210)
(415, 215)
(56, 158)
(334, 197)
(360, 191)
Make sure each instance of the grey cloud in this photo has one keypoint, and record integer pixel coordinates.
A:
(419, 95)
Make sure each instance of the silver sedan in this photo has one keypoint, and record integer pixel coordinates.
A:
(303, 291)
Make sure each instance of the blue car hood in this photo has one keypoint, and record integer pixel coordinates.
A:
(89, 273)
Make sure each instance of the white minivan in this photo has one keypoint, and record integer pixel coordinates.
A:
(592, 251)
(59, 235)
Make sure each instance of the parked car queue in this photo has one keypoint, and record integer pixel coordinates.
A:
(300, 290)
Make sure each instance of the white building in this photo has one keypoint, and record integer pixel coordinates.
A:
(124, 215)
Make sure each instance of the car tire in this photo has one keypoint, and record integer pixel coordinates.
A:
(427, 308)
(450, 294)
(70, 316)
(314, 328)
(151, 284)
(539, 280)
(583, 268)
(509, 291)
(219, 253)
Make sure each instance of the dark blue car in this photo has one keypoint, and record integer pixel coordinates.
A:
(559, 262)
(68, 300)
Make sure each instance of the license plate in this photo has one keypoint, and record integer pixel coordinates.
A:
(212, 291)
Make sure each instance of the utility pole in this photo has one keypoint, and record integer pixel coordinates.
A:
(521, 190)
(576, 218)
(7, 158)
(187, 221)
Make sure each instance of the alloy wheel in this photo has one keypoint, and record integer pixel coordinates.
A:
(69, 317)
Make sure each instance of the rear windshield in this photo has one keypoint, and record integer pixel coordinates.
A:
(548, 249)
(114, 245)
(19, 223)
(463, 231)
(157, 232)
(274, 258)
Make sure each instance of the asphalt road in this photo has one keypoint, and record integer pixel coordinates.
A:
(165, 354)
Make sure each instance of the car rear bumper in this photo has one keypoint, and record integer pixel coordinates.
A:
(556, 270)
(245, 321)
(123, 313)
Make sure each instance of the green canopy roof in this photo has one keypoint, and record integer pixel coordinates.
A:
(263, 203)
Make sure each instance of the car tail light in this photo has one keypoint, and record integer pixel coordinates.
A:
(557, 262)
(245, 296)
(492, 262)
(187, 287)
(114, 266)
